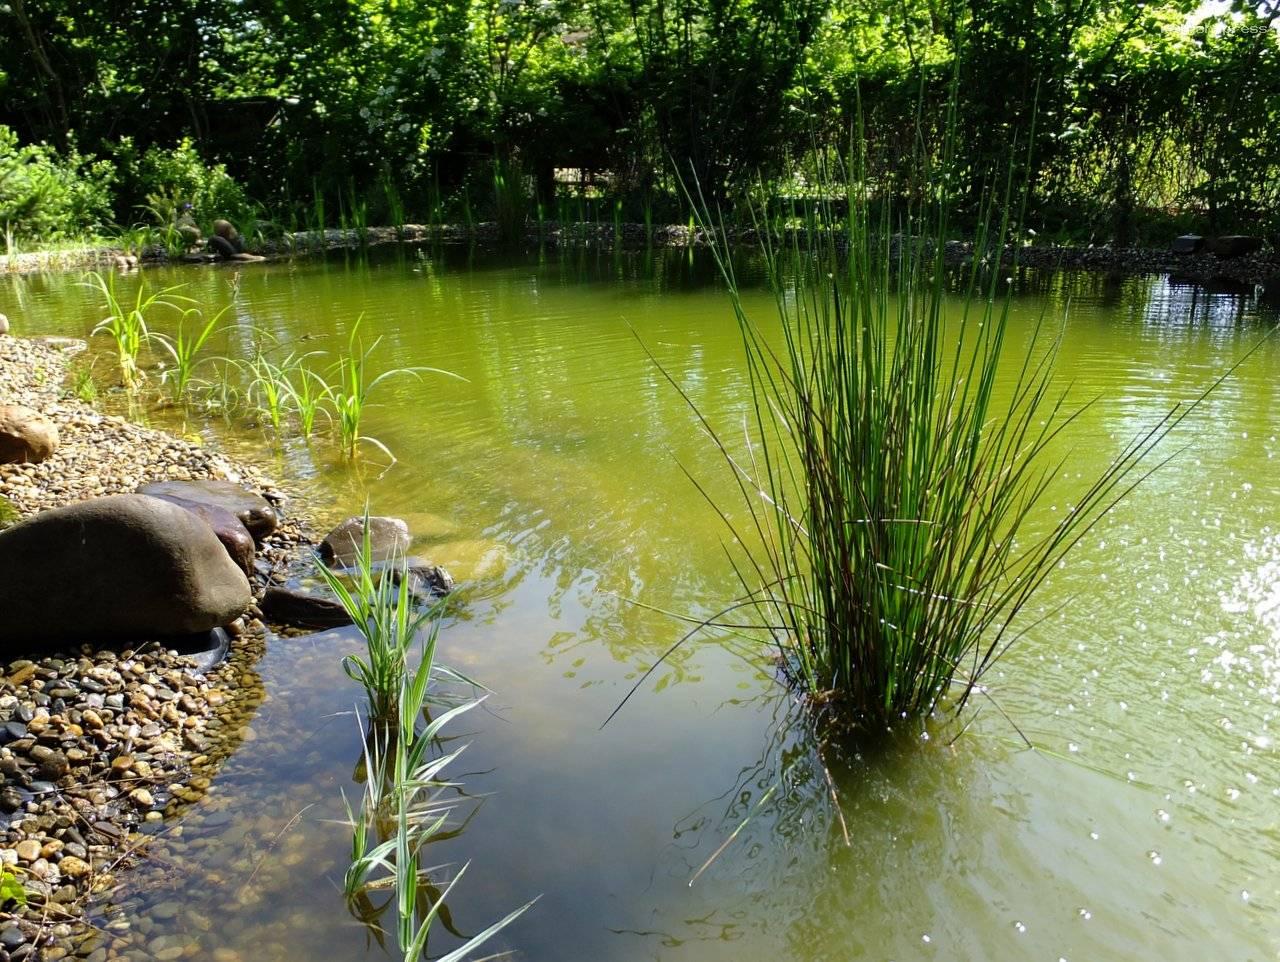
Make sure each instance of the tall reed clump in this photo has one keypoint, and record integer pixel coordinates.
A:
(402, 808)
(898, 451)
(125, 322)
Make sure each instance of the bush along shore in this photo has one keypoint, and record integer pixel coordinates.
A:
(97, 741)
(1242, 260)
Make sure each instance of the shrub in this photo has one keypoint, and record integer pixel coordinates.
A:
(46, 196)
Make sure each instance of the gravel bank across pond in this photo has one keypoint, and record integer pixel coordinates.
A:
(98, 747)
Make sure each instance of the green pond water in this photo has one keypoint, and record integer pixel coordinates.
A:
(1147, 827)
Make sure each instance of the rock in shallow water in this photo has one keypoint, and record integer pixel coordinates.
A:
(388, 540)
(26, 436)
(253, 510)
(121, 567)
(301, 609)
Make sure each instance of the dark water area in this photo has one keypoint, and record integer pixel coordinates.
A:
(549, 482)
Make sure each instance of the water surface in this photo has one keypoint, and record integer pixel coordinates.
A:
(549, 481)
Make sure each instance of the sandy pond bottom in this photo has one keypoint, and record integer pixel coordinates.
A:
(1147, 826)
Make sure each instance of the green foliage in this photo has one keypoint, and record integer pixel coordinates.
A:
(366, 112)
(11, 889)
(46, 195)
(184, 349)
(883, 531)
(8, 513)
(402, 807)
(350, 387)
(381, 604)
(83, 385)
(168, 177)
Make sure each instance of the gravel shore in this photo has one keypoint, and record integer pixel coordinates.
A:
(97, 746)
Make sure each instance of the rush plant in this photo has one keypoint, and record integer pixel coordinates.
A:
(887, 523)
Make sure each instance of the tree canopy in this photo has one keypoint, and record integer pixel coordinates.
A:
(1109, 108)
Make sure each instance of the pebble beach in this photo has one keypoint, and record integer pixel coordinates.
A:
(99, 747)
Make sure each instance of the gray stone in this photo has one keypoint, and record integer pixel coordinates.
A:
(301, 609)
(1187, 244)
(388, 540)
(207, 649)
(230, 530)
(1235, 245)
(116, 568)
(253, 510)
(26, 436)
(428, 579)
(4, 324)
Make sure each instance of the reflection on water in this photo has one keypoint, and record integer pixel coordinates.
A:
(1142, 826)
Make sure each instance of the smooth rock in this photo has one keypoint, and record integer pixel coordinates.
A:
(388, 540)
(207, 649)
(230, 530)
(28, 849)
(4, 324)
(1235, 245)
(1187, 244)
(254, 511)
(301, 609)
(73, 867)
(428, 579)
(120, 567)
(26, 436)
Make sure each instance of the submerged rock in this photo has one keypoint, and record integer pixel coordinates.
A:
(26, 436)
(388, 540)
(254, 511)
(120, 567)
(301, 609)
(230, 530)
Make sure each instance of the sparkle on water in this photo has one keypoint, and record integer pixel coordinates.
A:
(549, 482)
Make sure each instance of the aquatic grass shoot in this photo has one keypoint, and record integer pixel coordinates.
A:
(126, 323)
(184, 349)
(308, 394)
(350, 388)
(381, 605)
(883, 527)
(403, 804)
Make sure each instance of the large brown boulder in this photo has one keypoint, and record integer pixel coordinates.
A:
(26, 436)
(1235, 245)
(231, 532)
(254, 511)
(121, 568)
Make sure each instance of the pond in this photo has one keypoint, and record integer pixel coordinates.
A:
(1146, 824)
